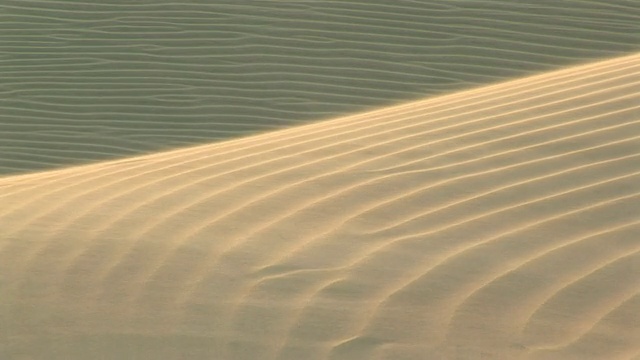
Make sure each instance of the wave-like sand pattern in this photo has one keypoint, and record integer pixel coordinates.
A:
(495, 223)
(82, 81)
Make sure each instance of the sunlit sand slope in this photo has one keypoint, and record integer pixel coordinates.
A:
(82, 81)
(496, 223)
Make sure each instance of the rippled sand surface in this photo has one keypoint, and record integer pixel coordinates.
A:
(491, 214)
(84, 81)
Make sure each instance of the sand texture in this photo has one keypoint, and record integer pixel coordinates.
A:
(84, 81)
(501, 222)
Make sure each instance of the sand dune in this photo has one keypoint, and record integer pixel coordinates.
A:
(82, 81)
(501, 222)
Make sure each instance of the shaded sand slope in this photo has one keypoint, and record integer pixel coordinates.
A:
(496, 223)
(85, 80)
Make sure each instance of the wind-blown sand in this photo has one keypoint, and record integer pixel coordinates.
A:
(501, 222)
(84, 81)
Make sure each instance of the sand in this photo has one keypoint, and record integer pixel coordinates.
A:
(85, 81)
(501, 222)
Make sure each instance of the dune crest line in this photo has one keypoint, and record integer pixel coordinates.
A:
(501, 221)
(84, 81)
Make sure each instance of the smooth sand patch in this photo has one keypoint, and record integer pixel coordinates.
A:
(496, 223)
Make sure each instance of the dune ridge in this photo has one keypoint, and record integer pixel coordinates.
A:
(87, 81)
(500, 222)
